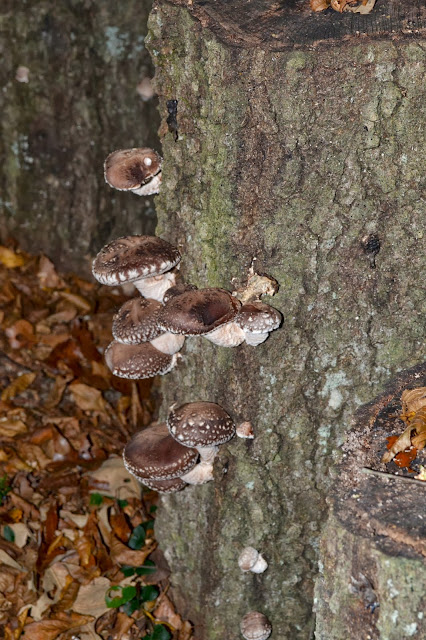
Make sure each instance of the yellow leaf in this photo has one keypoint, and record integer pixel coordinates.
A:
(18, 386)
(10, 259)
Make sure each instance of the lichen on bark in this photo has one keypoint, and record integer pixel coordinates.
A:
(289, 158)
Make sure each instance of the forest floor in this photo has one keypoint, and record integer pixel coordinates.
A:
(78, 556)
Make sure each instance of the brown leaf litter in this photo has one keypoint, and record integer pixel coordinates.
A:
(77, 554)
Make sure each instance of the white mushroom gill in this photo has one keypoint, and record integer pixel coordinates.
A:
(227, 335)
(155, 287)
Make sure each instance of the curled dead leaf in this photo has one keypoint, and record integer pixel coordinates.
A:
(132, 557)
(87, 398)
(50, 629)
(47, 274)
(412, 400)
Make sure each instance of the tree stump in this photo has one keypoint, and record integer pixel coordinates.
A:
(296, 148)
(373, 570)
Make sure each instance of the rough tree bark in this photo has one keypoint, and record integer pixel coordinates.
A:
(290, 152)
(85, 60)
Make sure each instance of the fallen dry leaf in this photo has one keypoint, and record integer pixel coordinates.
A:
(91, 597)
(68, 503)
(18, 386)
(10, 259)
(50, 629)
(87, 398)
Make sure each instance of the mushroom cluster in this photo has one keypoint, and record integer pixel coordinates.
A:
(149, 331)
(168, 456)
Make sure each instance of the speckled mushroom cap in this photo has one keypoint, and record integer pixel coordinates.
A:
(255, 626)
(258, 317)
(137, 321)
(137, 361)
(177, 290)
(153, 454)
(200, 424)
(128, 169)
(165, 486)
(131, 258)
(197, 312)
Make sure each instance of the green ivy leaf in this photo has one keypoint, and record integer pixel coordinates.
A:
(149, 524)
(9, 535)
(137, 539)
(146, 569)
(96, 499)
(125, 595)
(149, 593)
(160, 633)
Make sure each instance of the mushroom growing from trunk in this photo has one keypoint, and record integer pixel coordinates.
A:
(137, 170)
(251, 560)
(138, 361)
(204, 426)
(255, 626)
(155, 458)
(146, 261)
(137, 322)
(257, 320)
(204, 312)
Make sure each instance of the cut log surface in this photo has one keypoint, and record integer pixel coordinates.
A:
(290, 23)
(373, 550)
(289, 157)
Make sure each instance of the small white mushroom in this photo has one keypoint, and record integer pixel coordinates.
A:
(251, 560)
(255, 626)
(245, 430)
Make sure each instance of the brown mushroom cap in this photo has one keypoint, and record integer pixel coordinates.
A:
(197, 312)
(255, 626)
(153, 454)
(137, 321)
(258, 317)
(177, 290)
(166, 486)
(128, 169)
(131, 258)
(200, 424)
(137, 361)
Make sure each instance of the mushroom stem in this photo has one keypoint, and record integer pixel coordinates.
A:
(169, 343)
(200, 474)
(207, 454)
(253, 339)
(155, 287)
(203, 471)
(227, 335)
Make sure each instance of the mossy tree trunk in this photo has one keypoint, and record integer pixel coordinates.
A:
(85, 60)
(290, 152)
